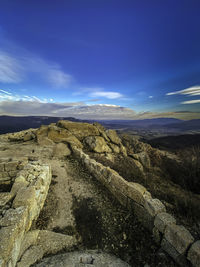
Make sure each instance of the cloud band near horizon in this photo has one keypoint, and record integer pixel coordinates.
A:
(81, 110)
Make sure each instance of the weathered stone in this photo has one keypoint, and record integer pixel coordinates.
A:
(123, 150)
(20, 182)
(162, 220)
(97, 144)
(136, 191)
(57, 134)
(44, 141)
(61, 151)
(74, 259)
(110, 157)
(80, 130)
(25, 197)
(30, 256)
(7, 239)
(73, 141)
(166, 246)
(114, 138)
(3, 175)
(15, 217)
(30, 239)
(2, 167)
(27, 205)
(179, 237)
(114, 148)
(52, 242)
(116, 180)
(28, 136)
(145, 197)
(154, 206)
(134, 156)
(5, 198)
(194, 254)
(137, 165)
(11, 166)
(12, 173)
(47, 243)
(22, 164)
(42, 131)
(11, 234)
(144, 159)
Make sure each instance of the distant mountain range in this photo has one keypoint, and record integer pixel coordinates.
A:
(10, 124)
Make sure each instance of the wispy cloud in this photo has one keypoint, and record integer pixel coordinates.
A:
(7, 96)
(58, 78)
(191, 91)
(11, 71)
(194, 101)
(5, 92)
(16, 69)
(109, 95)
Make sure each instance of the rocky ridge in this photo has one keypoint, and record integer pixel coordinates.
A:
(55, 145)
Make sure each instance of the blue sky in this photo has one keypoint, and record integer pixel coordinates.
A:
(100, 59)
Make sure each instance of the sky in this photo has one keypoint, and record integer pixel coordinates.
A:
(102, 59)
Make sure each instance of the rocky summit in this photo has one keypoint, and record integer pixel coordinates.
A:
(76, 194)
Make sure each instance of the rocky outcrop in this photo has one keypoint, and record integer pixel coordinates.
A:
(81, 135)
(9, 169)
(81, 259)
(78, 129)
(30, 182)
(38, 243)
(22, 136)
(97, 144)
(26, 200)
(175, 239)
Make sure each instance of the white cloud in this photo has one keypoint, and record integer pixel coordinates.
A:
(109, 95)
(76, 109)
(82, 111)
(5, 92)
(191, 91)
(36, 99)
(11, 71)
(150, 96)
(17, 69)
(195, 101)
(58, 78)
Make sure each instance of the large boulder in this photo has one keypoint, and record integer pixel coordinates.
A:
(61, 151)
(114, 138)
(57, 134)
(144, 159)
(79, 129)
(97, 144)
(21, 136)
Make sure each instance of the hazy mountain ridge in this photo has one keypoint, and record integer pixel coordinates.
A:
(10, 124)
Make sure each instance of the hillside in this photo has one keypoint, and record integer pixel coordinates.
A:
(76, 194)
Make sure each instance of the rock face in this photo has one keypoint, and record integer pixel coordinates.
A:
(97, 144)
(81, 135)
(29, 182)
(80, 130)
(78, 259)
(112, 135)
(29, 192)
